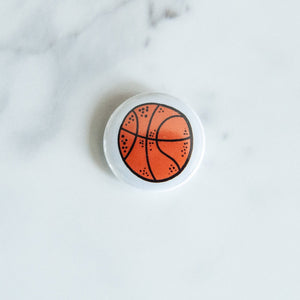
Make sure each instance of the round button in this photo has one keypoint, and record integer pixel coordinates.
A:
(154, 141)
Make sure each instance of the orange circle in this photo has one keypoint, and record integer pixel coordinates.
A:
(155, 141)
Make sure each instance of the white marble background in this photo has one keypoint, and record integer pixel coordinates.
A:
(70, 230)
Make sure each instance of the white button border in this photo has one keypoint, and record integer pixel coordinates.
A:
(111, 149)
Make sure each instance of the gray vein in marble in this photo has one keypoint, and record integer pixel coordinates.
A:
(49, 45)
(75, 57)
(171, 10)
(46, 122)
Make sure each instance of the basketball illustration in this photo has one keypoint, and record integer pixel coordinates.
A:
(155, 141)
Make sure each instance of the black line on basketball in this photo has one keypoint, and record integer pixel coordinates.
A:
(191, 143)
(165, 120)
(137, 130)
(146, 142)
(153, 139)
(157, 145)
(164, 153)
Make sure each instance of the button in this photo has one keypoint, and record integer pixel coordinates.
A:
(154, 141)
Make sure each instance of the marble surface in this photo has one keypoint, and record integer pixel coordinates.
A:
(69, 229)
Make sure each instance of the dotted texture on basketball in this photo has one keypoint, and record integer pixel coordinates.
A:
(155, 141)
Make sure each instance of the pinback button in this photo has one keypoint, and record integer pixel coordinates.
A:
(154, 141)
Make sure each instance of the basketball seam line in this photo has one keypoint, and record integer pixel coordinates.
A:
(146, 146)
(153, 139)
(157, 145)
(136, 135)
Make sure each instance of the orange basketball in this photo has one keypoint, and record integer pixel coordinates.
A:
(155, 141)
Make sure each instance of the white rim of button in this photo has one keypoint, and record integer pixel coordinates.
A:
(112, 152)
